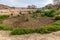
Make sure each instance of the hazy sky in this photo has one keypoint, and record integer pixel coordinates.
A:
(24, 3)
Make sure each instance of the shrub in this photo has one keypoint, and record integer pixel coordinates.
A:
(38, 11)
(47, 29)
(26, 19)
(20, 13)
(11, 14)
(49, 13)
(34, 15)
(20, 31)
(4, 27)
(2, 17)
(57, 18)
(29, 12)
(41, 30)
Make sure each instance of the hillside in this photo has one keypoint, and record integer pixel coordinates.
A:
(4, 6)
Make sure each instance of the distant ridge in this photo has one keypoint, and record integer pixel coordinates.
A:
(4, 6)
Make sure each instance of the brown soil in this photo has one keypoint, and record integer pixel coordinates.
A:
(32, 22)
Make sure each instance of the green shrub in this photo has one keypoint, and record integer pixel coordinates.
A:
(4, 27)
(20, 31)
(57, 18)
(2, 17)
(47, 29)
(38, 11)
(49, 13)
(41, 30)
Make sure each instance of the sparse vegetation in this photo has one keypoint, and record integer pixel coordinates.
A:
(20, 31)
(26, 19)
(20, 13)
(57, 18)
(36, 13)
(29, 12)
(2, 17)
(4, 27)
(48, 13)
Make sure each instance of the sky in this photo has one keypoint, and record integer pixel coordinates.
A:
(25, 3)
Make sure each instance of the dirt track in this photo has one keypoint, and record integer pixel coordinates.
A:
(4, 35)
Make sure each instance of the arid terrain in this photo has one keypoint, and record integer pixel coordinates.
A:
(20, 21)
(15, 23)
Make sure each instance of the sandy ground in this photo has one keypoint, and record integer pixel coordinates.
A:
(4, 35)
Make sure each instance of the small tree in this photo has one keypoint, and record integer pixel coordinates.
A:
(31, 6)
(11, 14)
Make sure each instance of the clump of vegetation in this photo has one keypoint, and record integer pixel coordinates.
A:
(2, 17)
(20, 13)
(20, 31)
(49, 13)
(57, 18)
(26, 19)
(4, 27)
(11, 14)
(36, 13)
(29, 12)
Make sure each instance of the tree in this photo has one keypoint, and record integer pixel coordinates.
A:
(31, 6)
